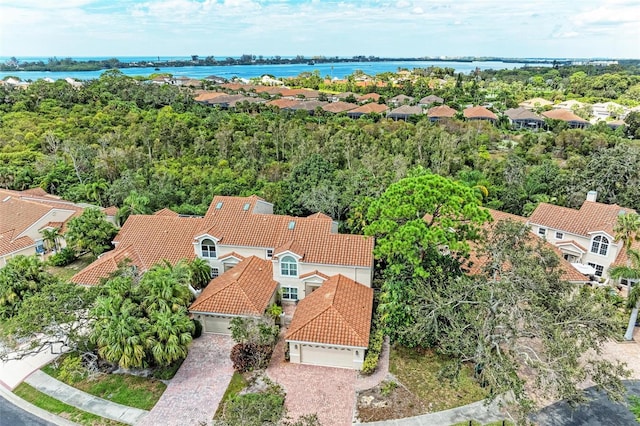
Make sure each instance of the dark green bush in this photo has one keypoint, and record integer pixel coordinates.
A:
(197, 330)
(255, 409)
(63, 257)
(373, 354)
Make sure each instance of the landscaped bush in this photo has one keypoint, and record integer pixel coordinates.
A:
(63, 257)
(197, 330)
(167, 373)
(255, 409)
(373, 354)
(250, 356)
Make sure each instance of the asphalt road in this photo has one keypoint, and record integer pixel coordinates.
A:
(598, 412)
(10, 415)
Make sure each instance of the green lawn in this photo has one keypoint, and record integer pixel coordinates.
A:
(66, 272)
(134, 391)
(237, 383)
(52, 405)
(420, 372)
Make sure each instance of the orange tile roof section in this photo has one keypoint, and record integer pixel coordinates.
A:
(369, 96)
(564, 115)
(477, 263)
(369, 108)
(246, 289)
(338, 107)
(591, 217)
(284, 103)
(441, 111)
(337, 313)
(479, 112)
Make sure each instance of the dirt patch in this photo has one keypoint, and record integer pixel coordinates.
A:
(387, 401)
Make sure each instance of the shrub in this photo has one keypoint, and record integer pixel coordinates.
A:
(167, 373)
(250, 356)
(63, 257)
(373, 354)
(258, 331)
(71, 369)
(197, 329)
(255, 409)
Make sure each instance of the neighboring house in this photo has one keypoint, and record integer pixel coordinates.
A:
(479, 113)
(441, 112)
(404, 112)
(400, 100)
(430, 100)
(585, 236)
(286, 104)
(339, 106)
(252, 253)
(478, 261)
(367, 109)
(309, 106)
(523, 118)
(23, 217)
(608, 110)
(568, 117)
(369, 97)
(570, 105)
(204, 96)
(535, 103)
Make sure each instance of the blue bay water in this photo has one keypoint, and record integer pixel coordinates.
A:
(333, 70)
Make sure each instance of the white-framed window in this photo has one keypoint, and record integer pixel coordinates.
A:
(208, 248)
(288, 266)
(289, 293)
(559, 235)
(269, 253)
(542, 232)
(600, 245)
(599, 268)
(215, 272)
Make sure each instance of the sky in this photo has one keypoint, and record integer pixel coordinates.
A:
(400, 28)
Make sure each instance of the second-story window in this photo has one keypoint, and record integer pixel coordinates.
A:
(600, 245)
(208, 248)
(288, 266)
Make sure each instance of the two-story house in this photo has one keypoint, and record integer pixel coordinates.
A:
(255, 255)
(585, 236)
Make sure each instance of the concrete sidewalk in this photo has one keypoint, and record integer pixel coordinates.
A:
(89, 403)
(14, 371)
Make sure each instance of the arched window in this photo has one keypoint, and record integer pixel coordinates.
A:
(600, 245)
(208, 248)
(288, 266)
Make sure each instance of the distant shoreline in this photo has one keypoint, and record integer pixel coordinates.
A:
(69, 64)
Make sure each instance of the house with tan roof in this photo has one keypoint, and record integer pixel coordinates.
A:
(430, 100)
(523, 118)
(568, 117)
(440, 112)
(339, 106)
(585, 236)
(535, 103)
(23, 217)
(479, 113)
(404, 112)
(255, 255)
(370, 108)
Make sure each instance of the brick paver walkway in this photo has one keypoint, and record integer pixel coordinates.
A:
(381, 373)
(328, 392)
(193, 395)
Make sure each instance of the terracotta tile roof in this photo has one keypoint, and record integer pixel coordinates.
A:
(522, 114)
(571, 242)
(245, 289)
(477, 262)
(479, 112)
(38, 192)
(205, 96)
(270, 90)
(312, 273)
(337, 313)
(441, 111)
(146, 240)
(235, 86)
(309, 105)
(306, 93)
(10, 245)
(291, 246)
(110, 211)
(52, 225)
(166, 212)
(591, 217)
(368, 108)
(405, 110)
(340, 106)
(16, 216)
(369, 97)
(283, 103)
(623, 256)
(563, 115)
(232, 254)
(232, 225)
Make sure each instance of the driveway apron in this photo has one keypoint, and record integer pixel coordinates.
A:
(194, 393)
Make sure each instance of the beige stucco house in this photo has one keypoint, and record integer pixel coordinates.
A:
(254, 256)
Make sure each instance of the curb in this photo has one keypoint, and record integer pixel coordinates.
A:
(36, 411)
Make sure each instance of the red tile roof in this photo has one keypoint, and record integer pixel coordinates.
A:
(337, 313)
(441, 111)
(478, 262)
(369, 97)
(166, 212)
(312, 273)
(479, 112)
(369, 108)
(283, 103)
(340, 106)
(245, 289)
(592, 217)
(146, 240)
(564, 115)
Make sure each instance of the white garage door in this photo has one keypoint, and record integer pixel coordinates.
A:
(219, 325)
(326, 356)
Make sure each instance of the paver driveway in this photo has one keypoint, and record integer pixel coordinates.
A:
(328, 392)
(194, 393)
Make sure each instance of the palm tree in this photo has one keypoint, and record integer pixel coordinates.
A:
(133, 204)
(200, 273)
(626, 230)
(165, 287)
(171, 335)
(630, 273)
(51, 237)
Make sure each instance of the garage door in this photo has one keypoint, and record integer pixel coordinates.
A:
(326, 356)
(219, 325)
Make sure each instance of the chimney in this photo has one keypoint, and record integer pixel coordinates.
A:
(592, 195)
